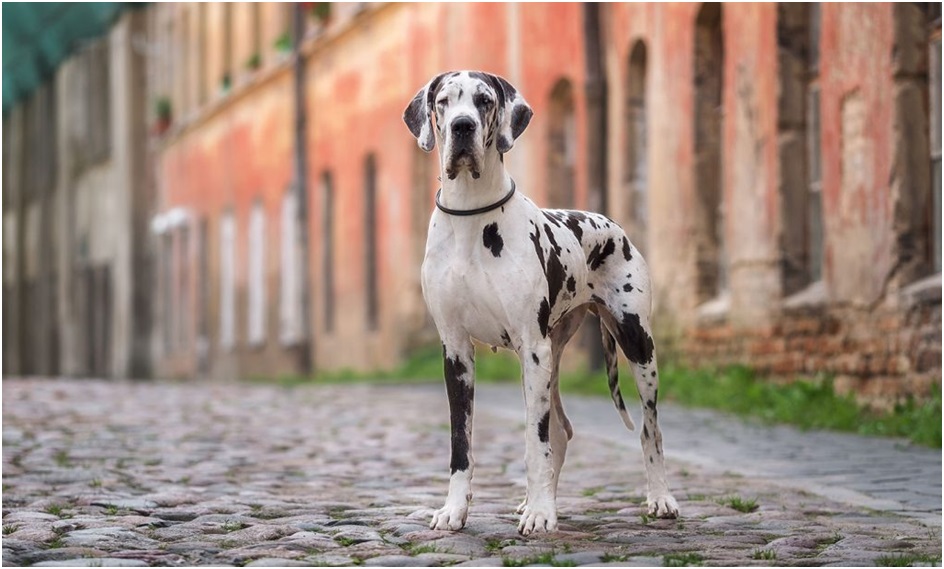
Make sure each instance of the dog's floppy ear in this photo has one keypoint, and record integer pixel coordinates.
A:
(418, 115)
(515, 113)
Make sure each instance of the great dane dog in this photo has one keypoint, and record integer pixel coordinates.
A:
(507, 273)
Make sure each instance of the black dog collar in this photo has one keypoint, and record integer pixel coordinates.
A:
(476, 211)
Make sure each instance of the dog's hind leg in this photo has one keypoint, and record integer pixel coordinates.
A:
(634, 336)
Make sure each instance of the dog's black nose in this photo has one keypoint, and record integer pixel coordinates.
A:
(463, 126)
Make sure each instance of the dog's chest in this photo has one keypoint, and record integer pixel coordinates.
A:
(480, 276)
(485, 277)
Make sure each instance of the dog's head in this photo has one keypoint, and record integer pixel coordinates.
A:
(475, 113)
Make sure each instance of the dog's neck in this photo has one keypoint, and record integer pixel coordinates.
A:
(465, 192)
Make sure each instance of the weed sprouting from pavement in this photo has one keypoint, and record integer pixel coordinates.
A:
(740, 504)
(682, 560)
(767, 554)
(907, 560)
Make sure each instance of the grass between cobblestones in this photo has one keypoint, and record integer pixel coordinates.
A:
(735, 389)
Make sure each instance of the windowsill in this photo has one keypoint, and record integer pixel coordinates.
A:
(927, 289)
(715, 310)
(814, 295)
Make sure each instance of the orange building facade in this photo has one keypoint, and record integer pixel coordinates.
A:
(778, 166)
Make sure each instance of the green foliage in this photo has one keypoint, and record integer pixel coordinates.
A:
(254, 61)
(283, 43)
(766, 554)
(162, 108)
(809, 405)
(735, 389)
(907, 560)
(682, 560)
(739, 504)
(7, 530)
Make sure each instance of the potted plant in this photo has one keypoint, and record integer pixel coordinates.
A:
(321, 12)
(163, 113)
(225, 83)
(254, 62)
(283, 44)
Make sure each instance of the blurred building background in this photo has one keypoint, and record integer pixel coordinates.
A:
(229, 190)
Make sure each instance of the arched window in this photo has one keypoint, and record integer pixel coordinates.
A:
(798, 108)
(709, 193)
(637, 151)
(370, 242)
(327, 240)
(916, 67)
(561, 146)
(290, 285)
(227, 280)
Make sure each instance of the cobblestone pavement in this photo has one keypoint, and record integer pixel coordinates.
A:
(118, 473)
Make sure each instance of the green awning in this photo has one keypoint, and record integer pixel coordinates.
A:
(37, 37)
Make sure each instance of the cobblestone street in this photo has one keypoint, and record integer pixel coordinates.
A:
(119, 473)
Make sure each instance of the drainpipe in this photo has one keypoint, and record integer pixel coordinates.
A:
(300, 186)
(595, 92)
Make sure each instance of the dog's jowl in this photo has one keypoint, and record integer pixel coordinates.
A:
(507, 273)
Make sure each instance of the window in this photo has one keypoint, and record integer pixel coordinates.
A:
(814, 217)
(257, 275)
(327, 258)
(916, 186)
(636, 146)
(370, 241)
(98, 98)
(711, 264)
(934, 96)
(561, 146)
(227, 280)
(290, 302)
(183, 286)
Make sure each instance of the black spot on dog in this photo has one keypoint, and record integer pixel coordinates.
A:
(596, 299)
(492, 239)
(590, 286)
(651, 404)
(550, 237)
(633, 338)
(599, 254)
(544, 315)
(555, 276)
(543, 425)
(627, 253)
(536, 359)
(573, 223)
(645, 432)
(551, 218)
(572, 284)
(506, 338)
(460, 395)
(650, 460)
(536, 240)
(653, 375)
(627, 287)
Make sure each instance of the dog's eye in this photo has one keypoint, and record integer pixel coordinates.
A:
(482, 101)
(442, 101)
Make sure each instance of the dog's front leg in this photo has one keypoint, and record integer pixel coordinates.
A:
(540, 511)
(459, 371)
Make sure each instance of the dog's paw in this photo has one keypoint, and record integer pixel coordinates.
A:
(663, 506)
(541, 517)
(450, 517)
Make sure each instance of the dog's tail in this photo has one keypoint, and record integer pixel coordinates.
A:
(612, 373)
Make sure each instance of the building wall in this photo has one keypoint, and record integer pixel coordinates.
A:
(76, 157)
(870, 319)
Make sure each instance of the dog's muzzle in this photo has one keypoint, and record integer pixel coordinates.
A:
(462, 153)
